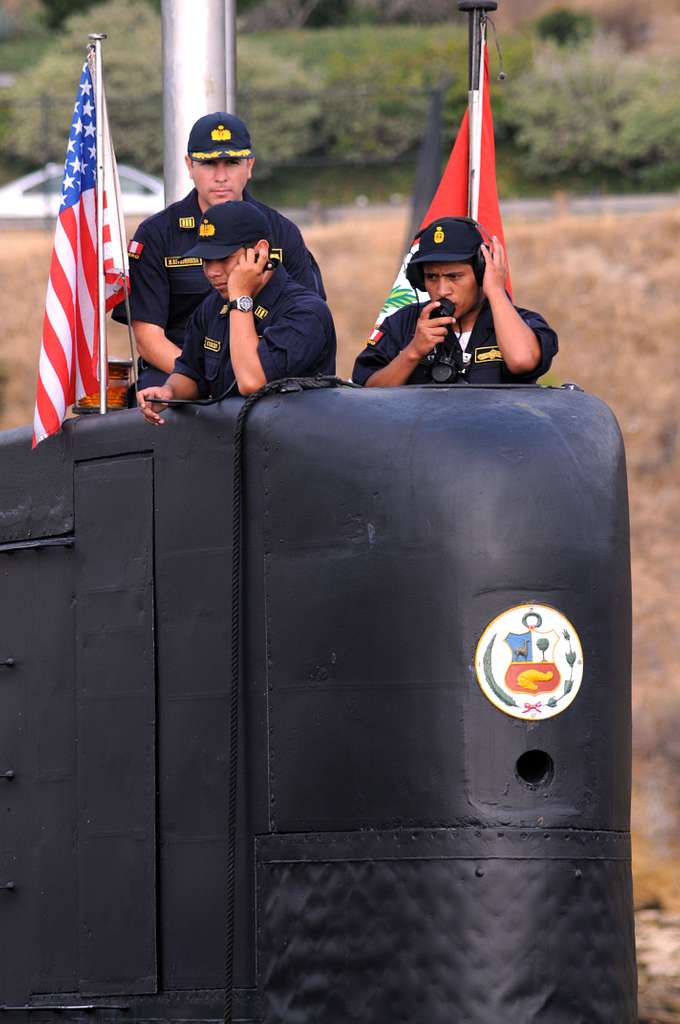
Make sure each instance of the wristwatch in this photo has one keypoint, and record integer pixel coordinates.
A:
(243, 303)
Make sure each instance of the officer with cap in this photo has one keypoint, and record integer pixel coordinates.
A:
(256, 325)
(469, 330)
(166, 283)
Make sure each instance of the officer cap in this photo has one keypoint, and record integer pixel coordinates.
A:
(226, 227)
(448, 240)
(219, 136)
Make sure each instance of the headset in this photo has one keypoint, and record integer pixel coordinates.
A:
(415, 274)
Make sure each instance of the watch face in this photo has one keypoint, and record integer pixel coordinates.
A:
(244, 303)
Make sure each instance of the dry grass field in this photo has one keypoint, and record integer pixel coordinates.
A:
(610, 287)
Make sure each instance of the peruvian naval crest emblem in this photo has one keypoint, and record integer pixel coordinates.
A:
(529, 662)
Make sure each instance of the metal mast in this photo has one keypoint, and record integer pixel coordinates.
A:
(477, 13)
(230, 54)
(195, 36)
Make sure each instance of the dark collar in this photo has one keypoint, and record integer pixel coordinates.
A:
(190, 203)
(484, 322)
(265, 301)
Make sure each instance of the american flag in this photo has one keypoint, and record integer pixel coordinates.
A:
(68, 367)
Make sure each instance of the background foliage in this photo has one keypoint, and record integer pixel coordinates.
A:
(583, 106)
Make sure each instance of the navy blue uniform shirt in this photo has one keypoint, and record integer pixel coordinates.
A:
(166, 287)
(486, 365)
(294, 325)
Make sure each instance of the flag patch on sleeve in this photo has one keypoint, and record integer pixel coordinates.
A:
(375, 337)
(135, 249)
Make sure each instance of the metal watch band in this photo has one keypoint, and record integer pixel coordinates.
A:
(243, 303)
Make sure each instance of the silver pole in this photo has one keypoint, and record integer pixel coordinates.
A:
(475, 116)
(230, 53)
(96, 46)
(194, 78)
(477, 12)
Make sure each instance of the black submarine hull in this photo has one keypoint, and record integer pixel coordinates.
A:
(421, 834)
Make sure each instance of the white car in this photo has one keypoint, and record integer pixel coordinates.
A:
(38, 194)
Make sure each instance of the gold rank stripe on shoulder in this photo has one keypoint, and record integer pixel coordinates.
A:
(187, 223)
(277, 254)
(261, 312)
(224, 310)
(488, 355)
(183, 261)
(212, 345)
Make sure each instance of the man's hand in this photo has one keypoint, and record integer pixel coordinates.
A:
(249, 275)
(429, 332)
(496, 270)
(150, 411)
(519, 345)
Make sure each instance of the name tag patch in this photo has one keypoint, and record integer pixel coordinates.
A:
(488, 355)
(212, 345)
(183, 261)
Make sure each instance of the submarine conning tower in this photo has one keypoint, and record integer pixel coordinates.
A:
(433, 775)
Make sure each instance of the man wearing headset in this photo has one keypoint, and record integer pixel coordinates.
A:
(256, 325)
(485, 340)
(166, 283)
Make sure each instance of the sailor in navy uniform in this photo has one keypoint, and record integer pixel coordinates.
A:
(256, 325)
(166, 283)
(486, 340)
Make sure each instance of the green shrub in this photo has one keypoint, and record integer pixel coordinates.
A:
(44, 94)
(567, 111)
(564, 26)
(649, 141)
(280, 102)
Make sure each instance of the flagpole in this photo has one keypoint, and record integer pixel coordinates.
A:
(230, 54)
(96, 46)
(477, 13)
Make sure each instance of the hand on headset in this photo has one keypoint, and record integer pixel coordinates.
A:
(250, 273)
(428, 332)
(496, 269)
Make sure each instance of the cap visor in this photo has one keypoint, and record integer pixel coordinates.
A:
(221, 154)
(443, 257)
(213, 250)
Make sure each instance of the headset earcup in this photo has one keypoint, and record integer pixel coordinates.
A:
(415, 276)
(479, 266)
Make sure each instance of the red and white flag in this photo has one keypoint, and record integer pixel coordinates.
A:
(68, 368)
(451, 197)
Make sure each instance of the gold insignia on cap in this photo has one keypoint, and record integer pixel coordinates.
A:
(187, 222)
(438, 235)
(206, 230)
(220, 134)
(221, 154)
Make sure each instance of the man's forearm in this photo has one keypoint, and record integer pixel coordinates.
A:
(181, 386)
(518, 344)
(245, 361)
(154, 347)
(395, 373)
